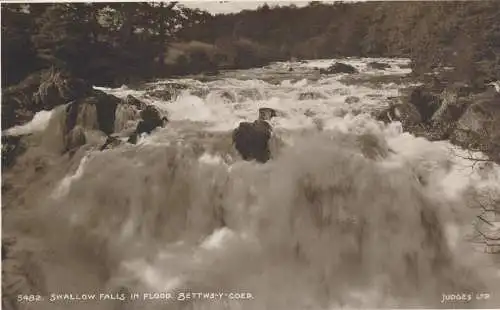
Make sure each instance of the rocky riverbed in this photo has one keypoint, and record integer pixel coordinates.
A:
(367, 200)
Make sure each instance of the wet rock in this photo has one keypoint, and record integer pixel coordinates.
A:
(251, 140)
(151, 118)
(133, 138)
(426, 102)
(479, 127)
(266, 114)
(138, 104)
(352, 99)
(452, 107)
(378, 65)
(442, 109)
(110, 143)
(405, 113)
(95, 112)
(150, 121)
(311, 96)
(163, 94)
(339, 67)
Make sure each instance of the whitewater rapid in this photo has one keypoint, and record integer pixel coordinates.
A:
(350, 212)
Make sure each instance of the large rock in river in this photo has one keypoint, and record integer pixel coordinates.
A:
(339, 67)
(426, 102)
(251, 140)
(151, 118)
(403, 112)
(479, 126)
(266, 114)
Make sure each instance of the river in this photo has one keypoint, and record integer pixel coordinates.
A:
(349, 212)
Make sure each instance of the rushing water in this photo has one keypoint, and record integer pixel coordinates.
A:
(349, 212)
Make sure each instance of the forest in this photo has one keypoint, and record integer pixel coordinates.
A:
(119, 43)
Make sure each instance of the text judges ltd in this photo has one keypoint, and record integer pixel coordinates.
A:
(167, 296)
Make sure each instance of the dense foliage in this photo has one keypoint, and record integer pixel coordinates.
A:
(102, 42)
(110, 43)
(465, 35)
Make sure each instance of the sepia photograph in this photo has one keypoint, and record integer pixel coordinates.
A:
(250, 155)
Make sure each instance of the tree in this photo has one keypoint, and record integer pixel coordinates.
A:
(18, 53)
(63, 38)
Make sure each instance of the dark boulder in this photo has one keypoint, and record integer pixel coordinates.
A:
(378, 65)
(266, 114)
(451, 104)
(138, 104)
(479, 127)
(405, 113)
(339, 67)
(150, 120)
(426, 102)
(251, 140)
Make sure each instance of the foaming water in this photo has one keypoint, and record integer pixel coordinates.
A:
(63, 188)
(37, 124)
(350, 213)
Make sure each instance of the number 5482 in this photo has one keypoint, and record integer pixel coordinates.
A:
(28, 298)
